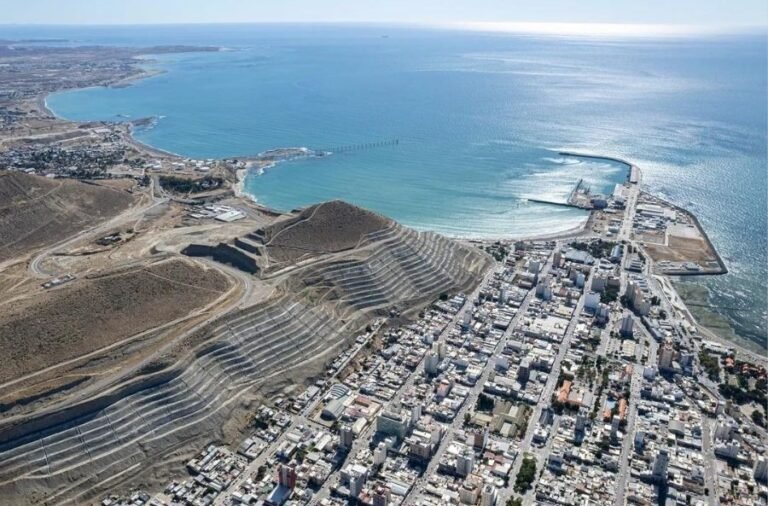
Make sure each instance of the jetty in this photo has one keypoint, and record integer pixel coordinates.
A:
(633, 176)
(571, 201)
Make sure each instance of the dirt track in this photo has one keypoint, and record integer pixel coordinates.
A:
(36, 211)
(75, 319)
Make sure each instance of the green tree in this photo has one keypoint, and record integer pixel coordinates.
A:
(526, 475)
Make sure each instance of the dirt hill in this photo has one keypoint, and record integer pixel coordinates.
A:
(37, 211)
(328, 227)
(82, 317)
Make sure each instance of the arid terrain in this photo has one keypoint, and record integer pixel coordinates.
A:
(136, 327)
(80, 318)
(37, 211)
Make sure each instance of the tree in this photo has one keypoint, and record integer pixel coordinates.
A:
(526, 475)
(711, 365)
(485, 403)
(743, 381)
(611, 294)
(517, 501)
(624, 300)
(758, 418)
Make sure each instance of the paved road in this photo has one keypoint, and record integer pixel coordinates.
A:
(298, 421)
(475, 391)
(710, 475)
(363, 440)
(544, 401)
(541, 454)
(629, 435)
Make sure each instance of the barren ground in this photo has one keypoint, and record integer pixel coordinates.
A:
(36, 211)
(323, 228)
(84, 316)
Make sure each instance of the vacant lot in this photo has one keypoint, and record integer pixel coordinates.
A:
(36, 211)
(86, 315)
(682, 249)
(323, 228)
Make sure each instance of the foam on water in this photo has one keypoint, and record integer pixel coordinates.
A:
(481, 120)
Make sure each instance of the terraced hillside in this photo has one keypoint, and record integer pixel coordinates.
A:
(394, 266)
(90, 314)
(36, 211)
(183, 398)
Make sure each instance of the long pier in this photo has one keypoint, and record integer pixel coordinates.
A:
(568, 202)
(363, 146)
(575, 190)
(554, 203)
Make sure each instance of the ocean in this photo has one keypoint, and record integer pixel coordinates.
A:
(479, 121)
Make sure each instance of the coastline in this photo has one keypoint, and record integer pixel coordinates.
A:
(692, 216)
(141, 146)
(239, 187)
(711, 324)
(130, 80)
(242, 174)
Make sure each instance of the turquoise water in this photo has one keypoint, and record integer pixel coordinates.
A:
(479, 118)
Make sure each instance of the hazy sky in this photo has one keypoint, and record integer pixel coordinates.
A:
(710, 13)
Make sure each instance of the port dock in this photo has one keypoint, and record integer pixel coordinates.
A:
(572, 200)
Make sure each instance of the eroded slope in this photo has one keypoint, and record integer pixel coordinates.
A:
(185, 396)
(37, 211)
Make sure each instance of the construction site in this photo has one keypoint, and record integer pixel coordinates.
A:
(134, 333)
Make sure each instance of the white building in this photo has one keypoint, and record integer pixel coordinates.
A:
(592, 300)
(488, 495)
(465, 462)
(346, 436)
(761, 469)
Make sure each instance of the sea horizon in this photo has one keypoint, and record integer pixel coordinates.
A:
(467, 167)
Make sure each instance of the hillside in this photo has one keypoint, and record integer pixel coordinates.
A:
(37, 211)
(322, 228)
(199, 389)
(80, 317)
